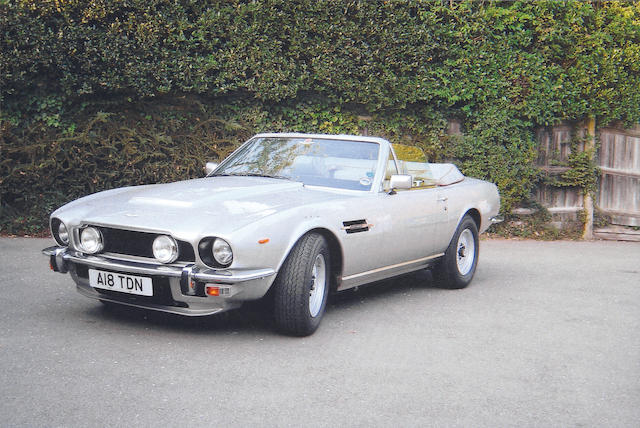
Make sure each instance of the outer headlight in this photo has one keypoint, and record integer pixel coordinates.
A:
(63, 233)
(59, 231)
(91, 240)
(165, 249)
(221, 251)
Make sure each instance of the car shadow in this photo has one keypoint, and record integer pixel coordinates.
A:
(385, 290)
(249, 317)
(256, 317)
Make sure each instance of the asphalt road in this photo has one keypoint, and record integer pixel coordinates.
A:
(547, 334)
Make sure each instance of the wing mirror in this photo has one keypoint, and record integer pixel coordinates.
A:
(400, 182)
(209, 167)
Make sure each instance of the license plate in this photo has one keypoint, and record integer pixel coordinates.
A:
(121, 282)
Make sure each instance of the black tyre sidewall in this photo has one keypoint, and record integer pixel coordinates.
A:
(450, 276)
(293, 285)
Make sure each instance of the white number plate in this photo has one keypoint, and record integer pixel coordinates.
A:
(121, 282)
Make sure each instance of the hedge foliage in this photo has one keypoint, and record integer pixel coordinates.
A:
(97, 94)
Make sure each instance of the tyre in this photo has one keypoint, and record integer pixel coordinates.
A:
(302, 286)
(456, 269)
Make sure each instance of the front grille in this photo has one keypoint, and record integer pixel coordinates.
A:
(140, 244)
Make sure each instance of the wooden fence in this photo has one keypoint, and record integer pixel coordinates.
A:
(618, 194)
(619, 161)
(564, 203)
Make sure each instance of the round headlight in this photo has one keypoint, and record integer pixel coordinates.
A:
(165, 249)
(63, 233)
(91, 240)
(222, 252)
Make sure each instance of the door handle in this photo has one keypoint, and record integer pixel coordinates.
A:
(443, 199)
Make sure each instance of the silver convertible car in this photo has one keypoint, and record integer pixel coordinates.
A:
(286, 217)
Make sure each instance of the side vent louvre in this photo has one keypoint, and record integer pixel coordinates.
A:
(355, 226)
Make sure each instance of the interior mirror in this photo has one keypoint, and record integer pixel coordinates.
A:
(209, 167)
(400, 181)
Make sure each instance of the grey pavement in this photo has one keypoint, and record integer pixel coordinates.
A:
(547, 334)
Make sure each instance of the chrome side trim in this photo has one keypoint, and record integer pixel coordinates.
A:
(371, 272)
(195, 273)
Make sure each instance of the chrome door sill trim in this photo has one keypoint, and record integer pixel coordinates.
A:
(370, 272)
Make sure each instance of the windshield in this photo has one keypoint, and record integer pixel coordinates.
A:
(314, 161)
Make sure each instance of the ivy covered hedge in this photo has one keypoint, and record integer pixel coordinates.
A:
(112, 92)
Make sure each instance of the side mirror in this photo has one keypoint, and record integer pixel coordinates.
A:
(400, 181)
(209, 167)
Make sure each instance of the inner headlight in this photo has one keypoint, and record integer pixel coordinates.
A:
(165, 249)
(63, 233)
(221, 251)
(91, 240)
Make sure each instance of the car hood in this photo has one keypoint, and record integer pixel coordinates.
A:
(193, 207)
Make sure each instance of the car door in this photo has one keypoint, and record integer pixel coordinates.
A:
(391, 232)
(363, 227)
(388, 234)
(420, 214)
(417, 221)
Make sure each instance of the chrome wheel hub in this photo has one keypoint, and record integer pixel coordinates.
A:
(318, 285)
(465, 252)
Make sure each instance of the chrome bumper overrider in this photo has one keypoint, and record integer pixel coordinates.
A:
(243, 284)
(496, 219)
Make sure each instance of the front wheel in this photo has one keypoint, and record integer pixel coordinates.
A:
(457, 267)
(302, 286)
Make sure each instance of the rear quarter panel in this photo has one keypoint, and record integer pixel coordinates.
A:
(466, 195)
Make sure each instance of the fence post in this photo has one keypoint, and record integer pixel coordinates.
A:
(590, 143)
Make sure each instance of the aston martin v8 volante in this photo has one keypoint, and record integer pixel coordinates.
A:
(286, 217)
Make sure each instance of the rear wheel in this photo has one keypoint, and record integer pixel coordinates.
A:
(457, 267)
(302, 286)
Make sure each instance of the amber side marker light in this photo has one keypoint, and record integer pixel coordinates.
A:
(213, 291)
(263, 241)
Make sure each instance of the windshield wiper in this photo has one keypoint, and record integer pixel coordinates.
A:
(251, 174)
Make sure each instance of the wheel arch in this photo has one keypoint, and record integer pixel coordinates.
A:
(335, 250)
(475, 215)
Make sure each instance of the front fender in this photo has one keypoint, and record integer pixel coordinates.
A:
(282, 230)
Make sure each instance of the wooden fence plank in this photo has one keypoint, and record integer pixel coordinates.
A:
(619, 188)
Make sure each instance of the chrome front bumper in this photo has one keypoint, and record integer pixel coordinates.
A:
(238, 284)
